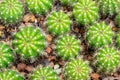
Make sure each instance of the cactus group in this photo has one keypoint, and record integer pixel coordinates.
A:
(44, 73)
(11, 11)
(85, 12)
(67, 46)
(29, 42)
(99, 34)
(107, 59)
(77, 69)
(58, 23)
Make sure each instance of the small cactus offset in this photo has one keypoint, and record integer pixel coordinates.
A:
(77, 69)
(6, 56)
(29, 42)
(117, 20)
(85, 12)
(68, 2)
(58, 23)
(44, 73)
(99, 34)
(107, 59)
(39, 7)
(8, 74)
(67, 46)
(11, 11)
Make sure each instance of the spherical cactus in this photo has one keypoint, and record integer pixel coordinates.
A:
(6, 56)
(58, 23)
(99, 34)
(8, 74)
(109, 7)
(44, 73)
(77, 69)
(85, 12)
(68, 2)
(11, 11)
(39, 7)
(107, 59)
(67, 46)
(29, 42)
(117, 20)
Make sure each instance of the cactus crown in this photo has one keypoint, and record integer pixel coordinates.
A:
(85, 11)
(11, 11)
(77, 70)
(58, 23)
(29, 42)
(67, 46)
(99, 35)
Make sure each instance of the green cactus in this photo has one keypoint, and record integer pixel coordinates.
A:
(108, 7)
(118, 39)
(58, 23)
(77, 69)
(67, 46)
(44, 73)
(39, 7)
(68, 2)
(117, 20)
(85, 12)
(11, 11)
(107, 59)
(29, 42)
(8, 74)
(99, 34)
(6, 57)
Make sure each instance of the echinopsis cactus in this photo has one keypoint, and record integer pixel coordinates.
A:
(58, 23)
(29, 42)
(85, 12)
(11, 11)
(6, 55)
(68, 2)
(44, 73)
(117, 20)
(107, 59)
(39, 7)
(67, 46)
(109, 7)
(77, 69)
(9, 74)
(99, 34)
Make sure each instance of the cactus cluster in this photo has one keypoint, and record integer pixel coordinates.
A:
(29, 42)
(58, 23)
(85, 12)
(77, 69)
(11, 11)
(67, 46)
(99, 34)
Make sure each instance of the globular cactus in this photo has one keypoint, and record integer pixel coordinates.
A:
(99, 34)
(11, 11)
(39, 7)
(6, 55)
(68, 2)
(67, 46)
(29, 42)
(44, 73)
(107, 59)
(77, 69)
(8, 74)
(117, 20)
(108, 7)
(58, 23)
(85, 12)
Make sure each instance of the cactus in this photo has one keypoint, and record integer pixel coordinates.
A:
(67, 46)
(118, 39)
(58, 23)
(6, 57)
(109, 7)
(44, 73)
(85, 12)
(8, 74)
(68, 2)
(99, 34)
(39, 7)
(29, 42)
(117, 20)
(77, 69)
(107, 59)
(11, 11)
